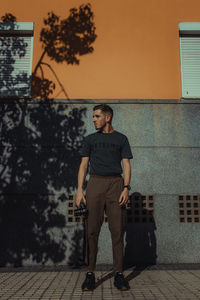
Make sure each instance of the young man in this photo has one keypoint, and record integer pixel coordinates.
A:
(106, 190)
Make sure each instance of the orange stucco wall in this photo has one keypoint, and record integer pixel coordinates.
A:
(136, 53)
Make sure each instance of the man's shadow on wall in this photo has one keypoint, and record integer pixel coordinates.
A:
(140, 239)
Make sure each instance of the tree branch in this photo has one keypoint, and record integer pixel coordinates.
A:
(39, 62)
(54, 73)
(42, 73)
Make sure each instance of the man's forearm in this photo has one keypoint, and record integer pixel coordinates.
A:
(127, 173)
(81, 176)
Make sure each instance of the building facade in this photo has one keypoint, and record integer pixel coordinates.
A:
(145, 64)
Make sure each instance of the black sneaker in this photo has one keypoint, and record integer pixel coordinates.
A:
(120, 282)
(89, 282)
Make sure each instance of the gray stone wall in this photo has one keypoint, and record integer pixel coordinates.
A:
(39, 150)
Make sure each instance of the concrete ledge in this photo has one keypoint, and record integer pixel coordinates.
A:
(99, 268)
(101, 101)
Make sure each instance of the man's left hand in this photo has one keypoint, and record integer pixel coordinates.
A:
(124, 197)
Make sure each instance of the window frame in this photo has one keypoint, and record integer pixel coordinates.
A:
(23, 30)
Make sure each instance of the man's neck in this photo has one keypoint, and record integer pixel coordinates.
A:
(107, 129)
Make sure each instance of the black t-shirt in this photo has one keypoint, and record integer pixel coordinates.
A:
(106, 151)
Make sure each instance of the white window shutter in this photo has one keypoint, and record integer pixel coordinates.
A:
(189, 36)
(16, 51)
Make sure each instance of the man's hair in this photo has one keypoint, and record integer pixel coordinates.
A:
(106, 109)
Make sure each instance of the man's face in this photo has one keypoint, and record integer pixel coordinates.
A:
(100, 119)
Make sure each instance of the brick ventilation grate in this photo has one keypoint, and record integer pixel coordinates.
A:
(139, 209)
(189, 208)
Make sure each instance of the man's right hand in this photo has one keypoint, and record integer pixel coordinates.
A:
(80, 197)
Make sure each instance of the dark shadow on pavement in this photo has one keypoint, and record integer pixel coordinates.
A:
(104, 278)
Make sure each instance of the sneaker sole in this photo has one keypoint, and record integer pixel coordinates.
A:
(123, 288)
(87, 290)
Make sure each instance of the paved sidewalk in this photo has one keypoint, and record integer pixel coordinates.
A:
(62, 283)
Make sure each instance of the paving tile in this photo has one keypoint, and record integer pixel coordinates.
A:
(61, 284)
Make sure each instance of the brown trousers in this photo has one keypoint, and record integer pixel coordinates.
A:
(103, 193)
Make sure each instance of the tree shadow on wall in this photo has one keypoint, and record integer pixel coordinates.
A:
(39, 161)
(40, 143)
(63, 40)
(77, 258)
